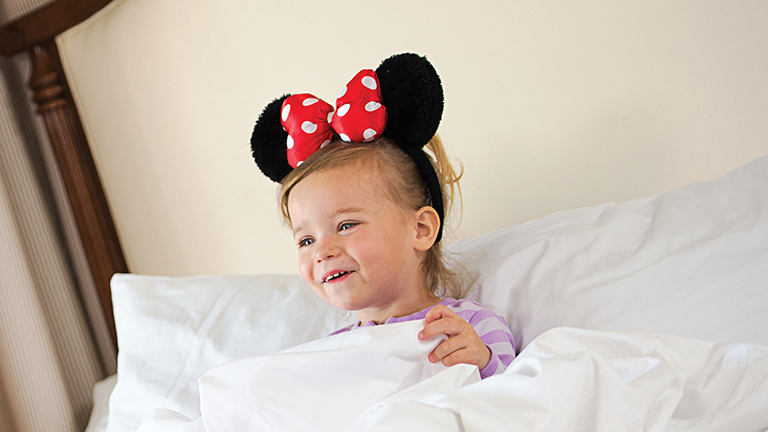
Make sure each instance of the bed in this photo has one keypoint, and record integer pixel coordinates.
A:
(615, 211)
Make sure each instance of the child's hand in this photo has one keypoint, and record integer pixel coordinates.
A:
(463, 344)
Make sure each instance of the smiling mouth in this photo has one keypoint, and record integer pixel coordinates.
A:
(335, 276)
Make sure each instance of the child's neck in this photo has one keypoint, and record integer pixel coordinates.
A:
(380, 317)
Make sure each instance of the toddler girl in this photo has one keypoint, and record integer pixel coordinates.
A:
(366, 206)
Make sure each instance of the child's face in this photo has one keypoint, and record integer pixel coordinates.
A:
(358, 250)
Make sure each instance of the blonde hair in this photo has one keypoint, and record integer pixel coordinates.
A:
(403, 185)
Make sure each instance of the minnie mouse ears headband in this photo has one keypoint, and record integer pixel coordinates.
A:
(401, 100)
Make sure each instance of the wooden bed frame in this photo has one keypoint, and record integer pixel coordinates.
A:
(35, 34)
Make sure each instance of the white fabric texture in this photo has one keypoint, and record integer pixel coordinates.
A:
(691, 261)
(172, 330)
(584, 380)
(100, 412)
(566, 380)
(322, 385)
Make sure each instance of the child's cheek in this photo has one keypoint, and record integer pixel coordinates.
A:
(306, 269)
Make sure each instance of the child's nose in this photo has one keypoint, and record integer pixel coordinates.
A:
(326, 250)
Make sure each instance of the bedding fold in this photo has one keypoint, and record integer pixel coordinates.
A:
(567, 379)
(322, 385)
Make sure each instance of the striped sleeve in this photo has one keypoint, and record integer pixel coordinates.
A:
(494, 331)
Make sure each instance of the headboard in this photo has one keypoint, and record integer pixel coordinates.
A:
(549, 106)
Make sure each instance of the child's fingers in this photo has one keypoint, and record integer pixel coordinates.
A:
(457, 357)
(438, 312)
(440, 320)
(449, 326)
(463, 344)
(455, 350)
(446, 348)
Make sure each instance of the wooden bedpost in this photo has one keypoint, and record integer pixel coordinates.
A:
(86, 196)
(35, 33)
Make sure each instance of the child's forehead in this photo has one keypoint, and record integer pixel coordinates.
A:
(342, 187)
(358, 176)
(330, 193)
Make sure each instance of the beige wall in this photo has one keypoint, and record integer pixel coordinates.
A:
(549, 106)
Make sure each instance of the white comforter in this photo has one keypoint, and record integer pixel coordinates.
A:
(378, 379)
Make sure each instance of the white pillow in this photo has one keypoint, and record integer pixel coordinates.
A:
(172, 330)
(691, 261)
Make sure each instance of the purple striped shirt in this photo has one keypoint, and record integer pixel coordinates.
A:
(491, 328)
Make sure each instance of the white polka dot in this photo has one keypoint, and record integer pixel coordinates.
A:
(309, 101)
(372, 106)
(289, 142)
(330, 116)
(325, 143)
(368, 134)
(369, 82)
(308, 127)
(299, 163)
(343, 92)
(286, 110)
(344, 137)
(343, 110)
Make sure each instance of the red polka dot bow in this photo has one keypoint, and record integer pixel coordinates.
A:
(310, 121)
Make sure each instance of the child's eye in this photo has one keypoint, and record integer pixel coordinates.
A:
(306, 241)
(346, 225)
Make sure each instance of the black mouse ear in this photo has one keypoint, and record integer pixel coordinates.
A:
(268, 142)
(412, 93)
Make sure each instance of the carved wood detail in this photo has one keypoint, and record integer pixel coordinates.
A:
(86, 196)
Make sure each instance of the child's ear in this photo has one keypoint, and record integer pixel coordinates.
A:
(427, 227)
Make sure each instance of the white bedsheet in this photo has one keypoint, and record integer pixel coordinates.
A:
(566, 379)
(580, 380)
